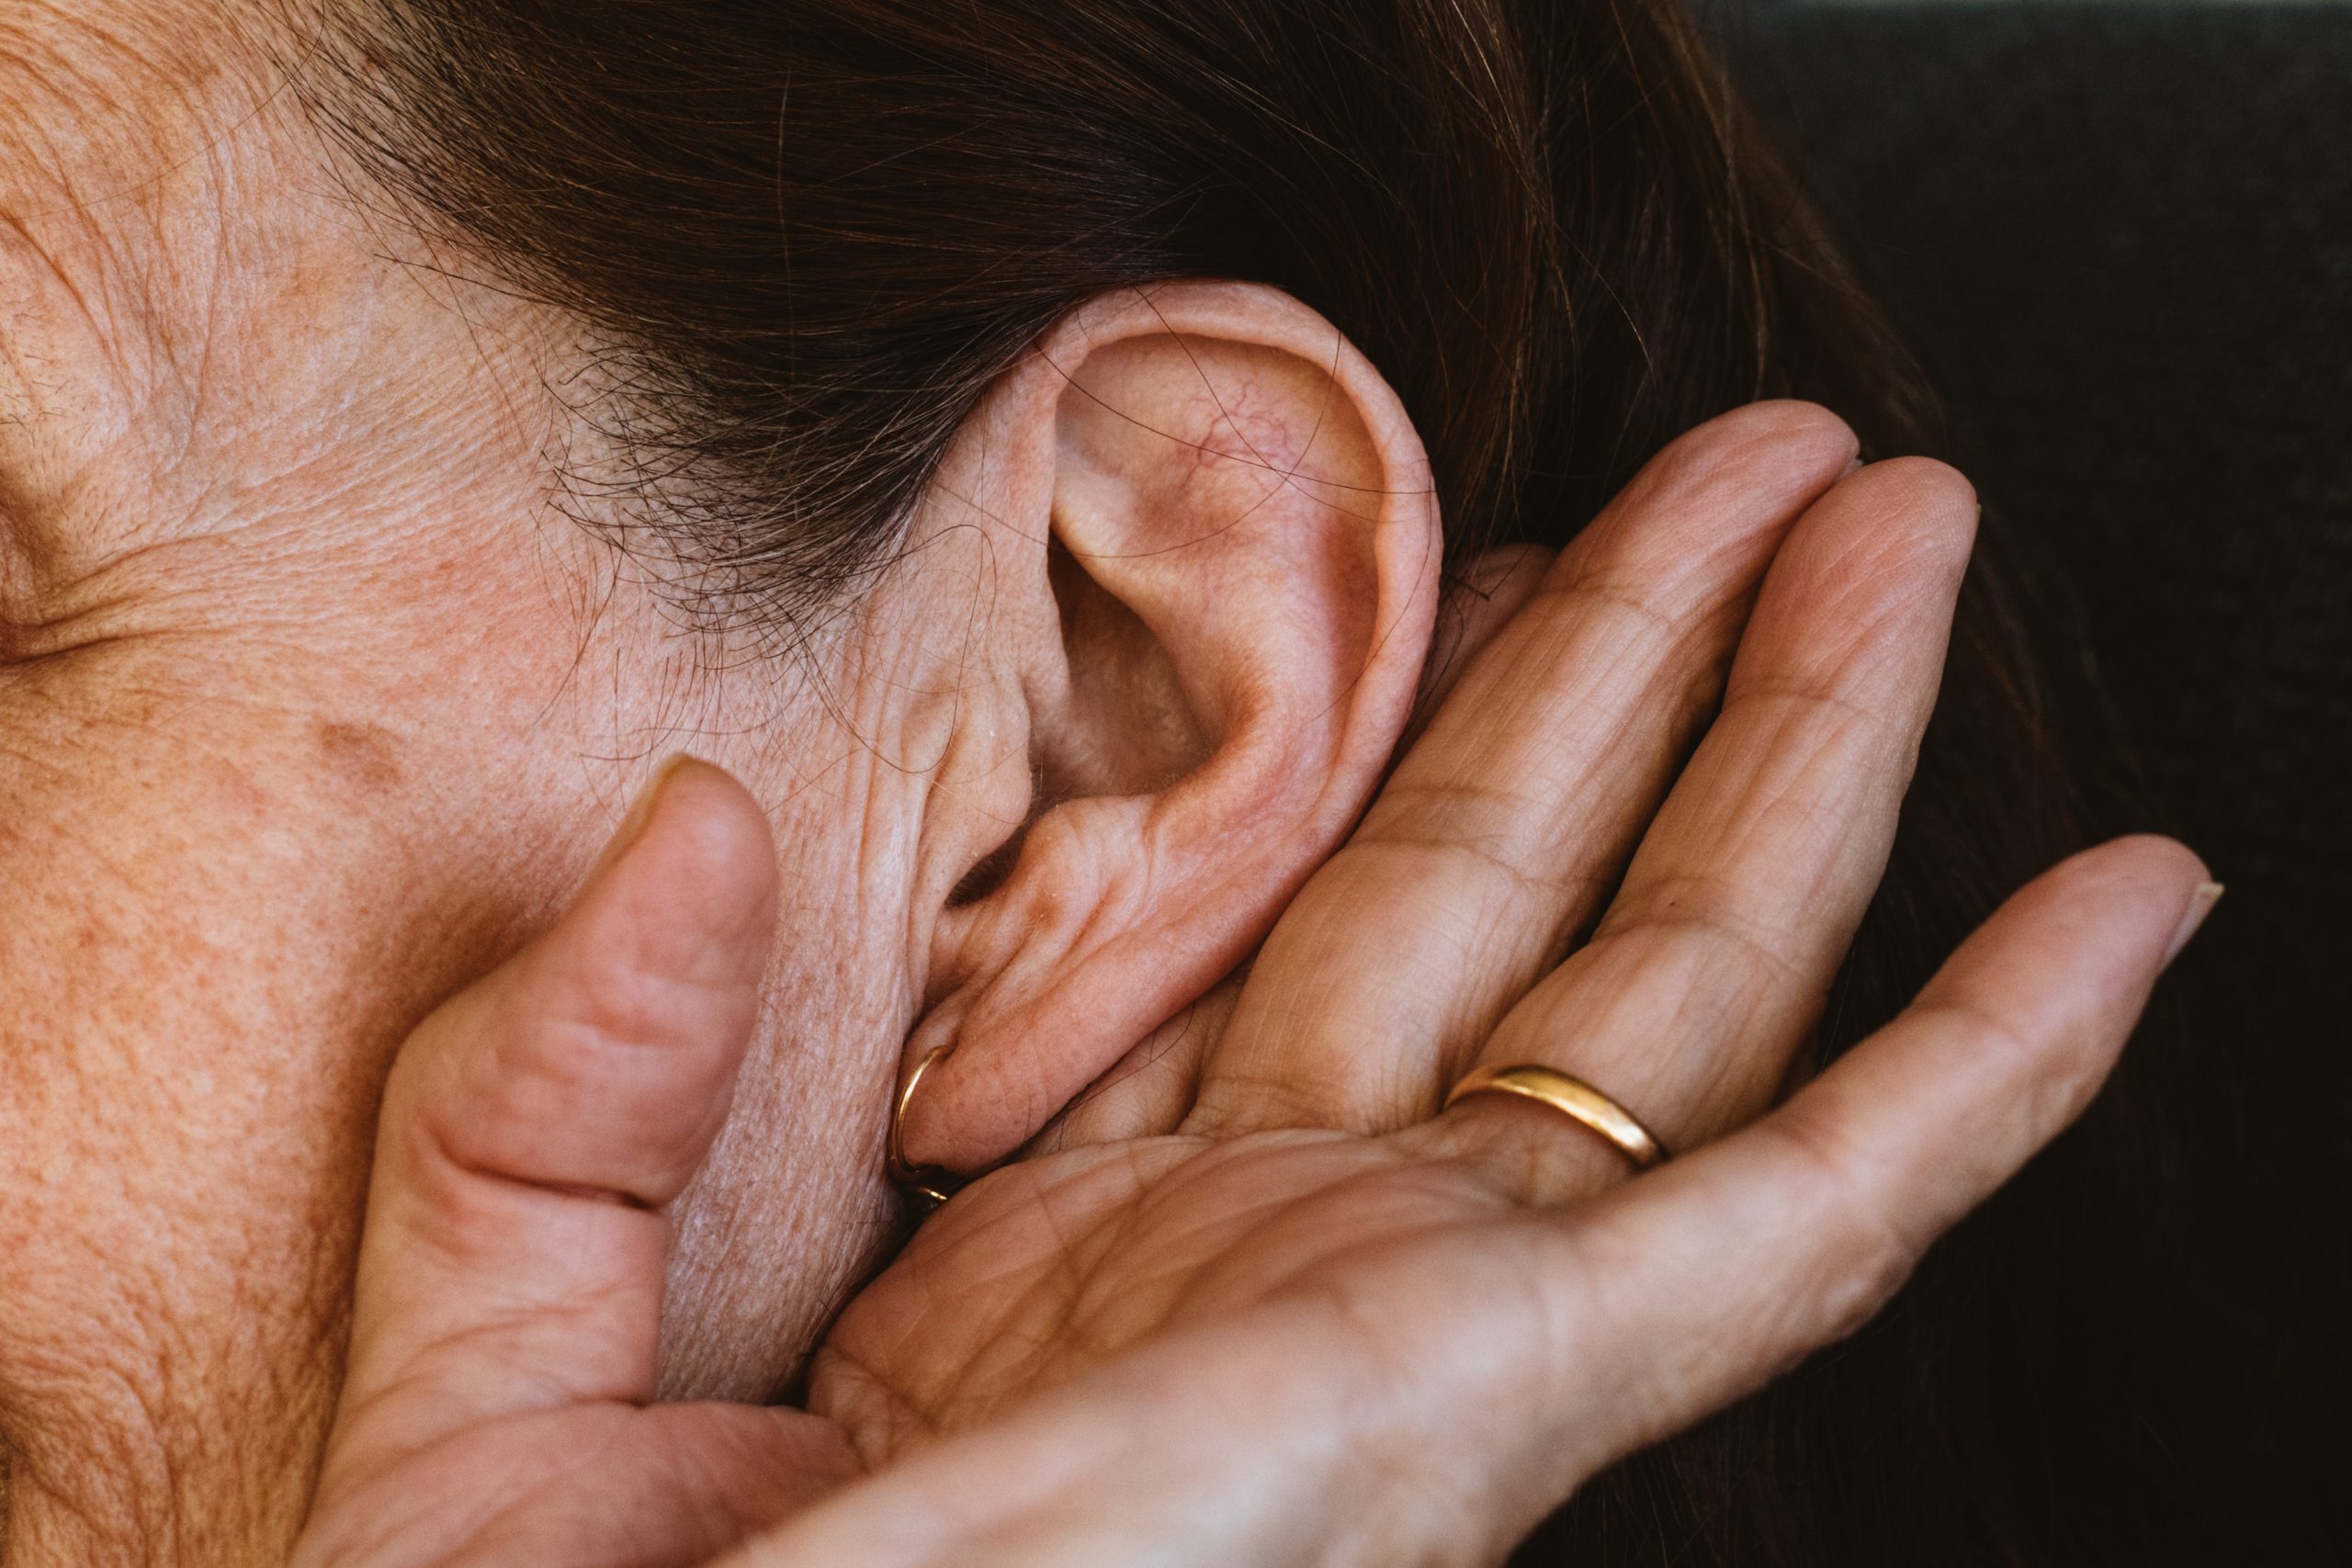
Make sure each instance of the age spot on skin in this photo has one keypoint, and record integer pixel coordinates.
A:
(365, 758)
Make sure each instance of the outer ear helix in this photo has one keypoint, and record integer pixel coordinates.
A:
(924, 1187)
(1222, 653)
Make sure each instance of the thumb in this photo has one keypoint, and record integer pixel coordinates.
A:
(512, 1258)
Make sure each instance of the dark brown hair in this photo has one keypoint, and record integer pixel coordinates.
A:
(811, 232)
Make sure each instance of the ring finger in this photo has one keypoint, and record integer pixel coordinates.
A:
(1711, 964)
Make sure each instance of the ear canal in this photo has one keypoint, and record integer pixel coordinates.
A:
(1242, 552)
(1127, 726)
(1124, 728)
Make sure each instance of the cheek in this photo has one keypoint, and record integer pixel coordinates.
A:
(219, 920)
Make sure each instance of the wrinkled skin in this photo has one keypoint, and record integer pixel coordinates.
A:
(1213, 1325)
(312, 708)
(314, 705)
(316, 709)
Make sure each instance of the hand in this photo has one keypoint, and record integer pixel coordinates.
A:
(497, 1406)
(1281, 1311)
(1285, 1301)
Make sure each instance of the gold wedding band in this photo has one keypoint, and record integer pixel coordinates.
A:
(926, 1186)
(1572, 1097)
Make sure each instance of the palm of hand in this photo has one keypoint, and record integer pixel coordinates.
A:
(1054, 1265)
(1027, 1280)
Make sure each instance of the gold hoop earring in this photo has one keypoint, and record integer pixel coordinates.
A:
(924, 1187)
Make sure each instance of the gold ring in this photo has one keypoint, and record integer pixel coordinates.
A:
(1572, 1097)
(926, 1186)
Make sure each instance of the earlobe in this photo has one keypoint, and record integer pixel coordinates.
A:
(1241, 547)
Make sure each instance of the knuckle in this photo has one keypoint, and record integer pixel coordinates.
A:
(625, 1005)
(1691, 914)
(1857, 1290)
(565, 1074)
(1861, 1253)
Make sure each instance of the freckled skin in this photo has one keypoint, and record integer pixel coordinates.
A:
(303, 722)
(312, 708)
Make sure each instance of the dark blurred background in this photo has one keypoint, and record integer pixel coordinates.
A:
(2121, 238)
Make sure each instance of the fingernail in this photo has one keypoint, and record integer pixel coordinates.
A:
(640, 812)
(1854, 466)
(2201, 904)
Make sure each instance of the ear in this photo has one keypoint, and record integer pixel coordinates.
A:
(1241, 551)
